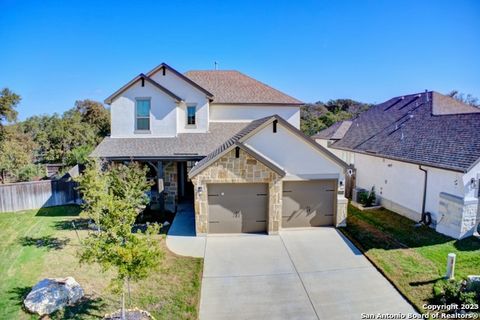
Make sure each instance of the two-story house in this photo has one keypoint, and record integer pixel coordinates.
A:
(228, 143)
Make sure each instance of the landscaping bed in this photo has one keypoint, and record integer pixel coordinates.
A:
(37, 244)
(412, 258)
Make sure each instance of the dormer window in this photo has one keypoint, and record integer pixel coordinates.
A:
(142, 114)
(191, 114)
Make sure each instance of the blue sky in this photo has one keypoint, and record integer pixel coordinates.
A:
(55, 52)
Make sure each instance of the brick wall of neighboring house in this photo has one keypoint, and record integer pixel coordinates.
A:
(170, 185)
(244, 169)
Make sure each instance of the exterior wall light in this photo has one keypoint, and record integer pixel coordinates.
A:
(473, 182)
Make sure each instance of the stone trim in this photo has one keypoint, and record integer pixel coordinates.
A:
(170, 183)
(457, 218)
(341, 212)
(244, 169)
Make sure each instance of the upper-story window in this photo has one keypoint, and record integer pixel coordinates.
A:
(191, 112)
(142, 114)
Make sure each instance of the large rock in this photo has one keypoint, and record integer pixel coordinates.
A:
(50, 295)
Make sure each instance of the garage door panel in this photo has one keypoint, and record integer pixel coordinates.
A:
(308, 203)
(237, 207)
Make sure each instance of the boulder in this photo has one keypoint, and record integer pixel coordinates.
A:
(50, 295)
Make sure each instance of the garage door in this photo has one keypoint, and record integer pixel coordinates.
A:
(237, 207)
(308, 203)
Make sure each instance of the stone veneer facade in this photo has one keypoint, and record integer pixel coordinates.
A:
(457, 218)
(170, 183)
(244, 169)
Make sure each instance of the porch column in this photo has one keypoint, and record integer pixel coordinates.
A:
(160, 184)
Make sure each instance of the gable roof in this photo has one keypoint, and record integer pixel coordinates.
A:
(405, 129)
(335, 132)
(252, 128)
(134, 81)
(164, 66)
(233, 87)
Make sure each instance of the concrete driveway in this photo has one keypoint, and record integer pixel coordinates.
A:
(300, 274)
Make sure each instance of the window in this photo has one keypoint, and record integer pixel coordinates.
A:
(142, 117)
(191, 110)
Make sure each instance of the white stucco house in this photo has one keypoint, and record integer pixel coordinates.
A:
(421, 152)
(228, 144)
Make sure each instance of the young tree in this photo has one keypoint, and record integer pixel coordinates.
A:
(113, 199)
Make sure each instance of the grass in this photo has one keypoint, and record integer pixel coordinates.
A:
(37, 244)
(413, 258)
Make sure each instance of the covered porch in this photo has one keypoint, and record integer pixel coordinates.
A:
(170, 183)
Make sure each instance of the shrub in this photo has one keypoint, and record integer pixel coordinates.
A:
(29, 172)
(367, 198)
(456, 291)
(363, 197)
(78, 155)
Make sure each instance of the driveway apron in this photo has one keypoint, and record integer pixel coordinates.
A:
(300, 274)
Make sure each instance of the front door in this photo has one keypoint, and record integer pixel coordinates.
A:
(185, 185)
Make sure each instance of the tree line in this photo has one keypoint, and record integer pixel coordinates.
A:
(320, 115)
(315, 117)
(68, 138)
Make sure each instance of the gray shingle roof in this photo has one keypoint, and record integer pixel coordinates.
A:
(335, 132)
(229, 86)
(194, 145)
(404, 128)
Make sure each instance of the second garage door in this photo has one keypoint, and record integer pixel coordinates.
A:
(308, 203)
(237, 207)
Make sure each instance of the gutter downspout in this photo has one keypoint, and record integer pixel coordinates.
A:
(424, 189)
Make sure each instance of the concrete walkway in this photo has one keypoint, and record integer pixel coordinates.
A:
(300, 274)
(181, 237)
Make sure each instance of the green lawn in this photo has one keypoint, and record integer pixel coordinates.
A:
(412, 258)
(42, 243)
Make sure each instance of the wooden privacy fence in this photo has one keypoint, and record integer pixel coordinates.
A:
(37, 194)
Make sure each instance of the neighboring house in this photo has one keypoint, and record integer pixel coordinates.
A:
(421, 152)
(236, 139)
